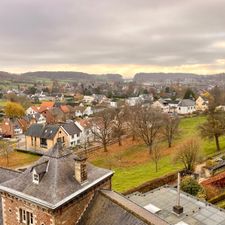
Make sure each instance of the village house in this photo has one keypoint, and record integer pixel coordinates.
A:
(88, 99)
(132, 101)
(79, 111)
(201, 103)
(73, 133)
(36, 118)
(68, 111)
(46, 106)
(44, 137)
(86, 136)
(186, 106)
(32, 110)
(10, 128)
(54, 191)
(162, 105)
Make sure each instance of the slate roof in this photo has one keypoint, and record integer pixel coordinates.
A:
(186, 102)
(58, 185)
(71, 128)
(35, 116)
(108, 207)
(43, 131)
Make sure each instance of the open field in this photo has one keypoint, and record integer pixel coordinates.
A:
(133, 165)
(131, 161)
(18, 159)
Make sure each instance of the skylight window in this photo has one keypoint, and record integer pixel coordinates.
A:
(152, 208)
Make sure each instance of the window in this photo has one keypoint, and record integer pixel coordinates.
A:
(35, 178)
(32, 143)
(26, 217)
(43, 142)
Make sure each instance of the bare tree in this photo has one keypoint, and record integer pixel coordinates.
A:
(118, 123)
(148, 125)
(156, 156)
(102, 127)
(170, 128)
(188, 153)
(130, 118)
(214, 127)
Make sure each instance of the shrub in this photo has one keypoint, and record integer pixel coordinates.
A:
(190, 185)
(211, 191)
(210, 163)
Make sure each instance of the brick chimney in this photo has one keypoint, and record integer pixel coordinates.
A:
(80, 169)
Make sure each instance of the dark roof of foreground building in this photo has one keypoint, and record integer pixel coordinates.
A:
(43, 131)
(5, 175)
(111, 208)
(57, 185)
(196, 212)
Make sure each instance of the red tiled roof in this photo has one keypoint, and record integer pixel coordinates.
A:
(34, 108)
(49, 117)
(65, 108)
(215, 179)
(46, 105)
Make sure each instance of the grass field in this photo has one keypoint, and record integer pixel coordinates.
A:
(18, 159)
(133, 165)
(131, 161)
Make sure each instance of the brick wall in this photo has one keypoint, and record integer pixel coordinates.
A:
(11, 206)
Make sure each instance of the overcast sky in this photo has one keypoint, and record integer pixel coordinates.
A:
(118, 36)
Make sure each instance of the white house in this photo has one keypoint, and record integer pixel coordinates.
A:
(132, 101)
(32, 110)
(88, 111)
(73, 132)
(113, 104)
(79, 110)
(88, 99)
(86, 135)
(38, 117)
(186, 106)
(161, 104)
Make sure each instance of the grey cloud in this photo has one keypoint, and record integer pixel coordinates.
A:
(146, 32)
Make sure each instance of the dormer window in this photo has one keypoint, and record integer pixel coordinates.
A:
(35, 178)
(38, 171)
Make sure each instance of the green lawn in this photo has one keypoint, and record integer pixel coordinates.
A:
(189, 128)
(126, 178)
(2, 102)
(129, 176)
